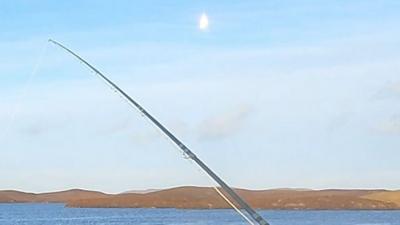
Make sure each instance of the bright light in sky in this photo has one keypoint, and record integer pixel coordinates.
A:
(203, 23)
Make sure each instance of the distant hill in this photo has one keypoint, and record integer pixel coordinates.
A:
(206, 197)
(55, 197)
(141, 191)
(387, 196)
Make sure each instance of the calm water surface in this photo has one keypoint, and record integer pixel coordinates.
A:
(57, 214)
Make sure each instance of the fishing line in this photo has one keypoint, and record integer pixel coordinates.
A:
(24, 90)
(230, 203)
(233, 206)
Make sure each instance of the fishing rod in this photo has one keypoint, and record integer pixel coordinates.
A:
(242, 203)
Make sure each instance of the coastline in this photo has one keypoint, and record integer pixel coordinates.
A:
(207, 198)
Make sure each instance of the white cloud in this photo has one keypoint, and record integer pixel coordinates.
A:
(225, 124)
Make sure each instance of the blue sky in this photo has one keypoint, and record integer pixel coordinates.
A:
(275, 94)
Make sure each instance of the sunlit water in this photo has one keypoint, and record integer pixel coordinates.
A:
(57, 214)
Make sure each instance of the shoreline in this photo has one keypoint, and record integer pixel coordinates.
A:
(199, 209)
(206, 198)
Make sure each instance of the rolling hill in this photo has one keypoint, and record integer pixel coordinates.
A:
(206, 197)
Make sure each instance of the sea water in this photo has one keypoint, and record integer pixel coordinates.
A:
(57, 214)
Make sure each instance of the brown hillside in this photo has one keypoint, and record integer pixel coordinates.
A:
(386, 196)
(70, 195)
(16, 196)
(203, 197)
(62, 196)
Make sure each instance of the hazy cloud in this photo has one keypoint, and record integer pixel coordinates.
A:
(149, 133)
(225, 124)
(39, 126)
(146, 137)
(395, 88)
(35, 129)
(391, 126)
(339, 121)
(388, 91)
(118, 125)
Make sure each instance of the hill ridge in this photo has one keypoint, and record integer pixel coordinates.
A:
(207, 197)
